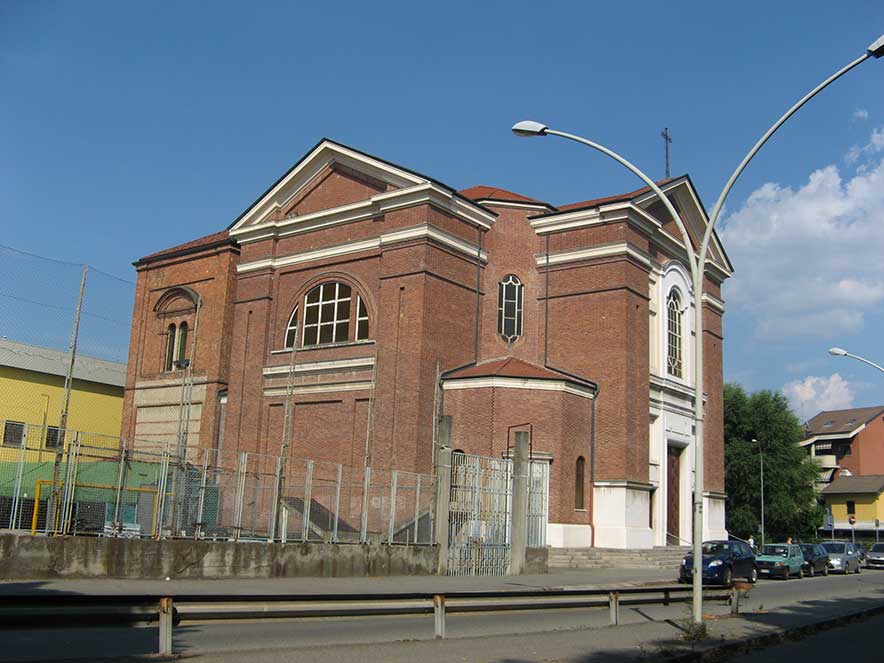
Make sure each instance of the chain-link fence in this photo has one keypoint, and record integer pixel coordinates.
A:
(91, 484)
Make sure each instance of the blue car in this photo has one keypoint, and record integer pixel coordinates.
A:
(723, 561)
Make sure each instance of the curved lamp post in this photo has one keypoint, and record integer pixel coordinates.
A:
(841, 352)
(697, 263)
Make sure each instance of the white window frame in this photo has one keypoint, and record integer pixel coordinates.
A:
(337, 300)
(291, 329)
(674, 334)
(362, 316)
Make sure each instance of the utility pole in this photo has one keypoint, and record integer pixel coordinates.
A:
(667, 139)
(52, 510)
(761, 457)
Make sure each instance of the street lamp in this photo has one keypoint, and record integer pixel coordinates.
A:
(761, 456)
(841, 352)
(697, 263)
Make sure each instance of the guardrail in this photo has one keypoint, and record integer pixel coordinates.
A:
(74, 610)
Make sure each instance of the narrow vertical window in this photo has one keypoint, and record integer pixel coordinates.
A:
(291, 330)
(170, 348)
(579, 482)
(361, 320)
(509, 308)
(673, 334)
(182, 341)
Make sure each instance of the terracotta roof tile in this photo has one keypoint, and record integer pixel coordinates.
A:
(495, 193)
(215, 239)
(845, 485)
(830, 422)
(508, 367)
(595, 202)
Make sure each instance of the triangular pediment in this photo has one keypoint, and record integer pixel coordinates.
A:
(329, 175)
(684, 198)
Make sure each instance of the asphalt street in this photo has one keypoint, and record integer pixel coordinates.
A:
(209, 640)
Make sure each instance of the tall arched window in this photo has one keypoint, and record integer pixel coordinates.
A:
(330, 316)
(509, 308)
(673, 334)
(579, 483)
(170, 348)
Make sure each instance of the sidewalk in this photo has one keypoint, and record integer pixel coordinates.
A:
(592, 578)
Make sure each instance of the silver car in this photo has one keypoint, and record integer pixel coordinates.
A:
(843, 557)
(875, 558)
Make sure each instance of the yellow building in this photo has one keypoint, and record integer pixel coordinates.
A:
(32, 397)
(857, 496)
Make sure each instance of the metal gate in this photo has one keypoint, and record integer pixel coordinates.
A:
(479, 513)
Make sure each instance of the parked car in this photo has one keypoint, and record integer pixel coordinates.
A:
(843, 556)
(875, 558)
(782, 560)
(816, 559)
(722, 562)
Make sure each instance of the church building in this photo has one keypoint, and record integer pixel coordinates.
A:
(376, 299)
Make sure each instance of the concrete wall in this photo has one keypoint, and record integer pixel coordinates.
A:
(24, 557)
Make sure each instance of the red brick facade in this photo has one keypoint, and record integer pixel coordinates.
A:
(407, 247)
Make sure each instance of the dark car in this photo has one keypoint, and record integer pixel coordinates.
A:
(722, 562)
(816, 559)
(875, 558)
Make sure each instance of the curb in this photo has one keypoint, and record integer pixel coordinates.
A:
(746, 645)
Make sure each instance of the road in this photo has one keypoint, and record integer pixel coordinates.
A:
(215, 638)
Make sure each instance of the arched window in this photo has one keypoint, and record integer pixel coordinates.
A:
(579, 483)
(291, 330)
(330, 316)
(509, 308)
(170, 349)
(673, 334)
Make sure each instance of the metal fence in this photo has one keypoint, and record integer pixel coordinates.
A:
(95, 485)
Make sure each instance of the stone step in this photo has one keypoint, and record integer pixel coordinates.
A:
(599, 558)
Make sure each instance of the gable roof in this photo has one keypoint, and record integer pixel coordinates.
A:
(482, 192)
(595, 202)
(55, 362)
(512, 367)
(847, 485)
(845, 422)
(221, 238)
(328, 150)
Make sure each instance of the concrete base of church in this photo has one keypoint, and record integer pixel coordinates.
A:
(713, 521)
(620, 514)
(563, 535)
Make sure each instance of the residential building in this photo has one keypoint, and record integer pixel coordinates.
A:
(846, 441)
(377, 299)
(858, 497)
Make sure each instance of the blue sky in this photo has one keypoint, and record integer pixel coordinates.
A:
(127, 127)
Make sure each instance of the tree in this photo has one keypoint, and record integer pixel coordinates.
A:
(791, 507)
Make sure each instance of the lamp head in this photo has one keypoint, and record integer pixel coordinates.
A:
(838, 352)
(876, 48)
(527, 128)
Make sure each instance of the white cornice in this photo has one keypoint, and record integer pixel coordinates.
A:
(358, 363)
(424, 231)
(498, 382)
(625, 483)
(713, 302)
(601, 251)
(321, 388)
(831, 436)
(382, 203)
(491, 202)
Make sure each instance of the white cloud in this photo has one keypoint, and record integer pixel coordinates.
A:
(808, 260)
(814, 394)
(860, 114)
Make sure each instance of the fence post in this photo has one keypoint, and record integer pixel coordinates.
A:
(337, 514)
(614, 608)
(366, 489)
(162, 482)
(284, 524)
(166, 618)
(201, 505)
(439, 615)
(121, 474)
(735, 600)
(519, 514)
(240, 494)
(67, 505)
(392, 524)
(16, 498)
(417, 506)
(308, 499)
(442, 496)
(277, 496)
